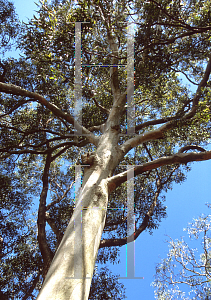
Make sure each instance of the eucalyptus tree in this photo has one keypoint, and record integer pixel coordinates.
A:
(44, 128)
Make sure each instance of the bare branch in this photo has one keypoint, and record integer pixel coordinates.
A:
(115, 52)
(105, 110)
(16, 106)
(191, 147)
(179, 71)
(92, 95)
(59, 199)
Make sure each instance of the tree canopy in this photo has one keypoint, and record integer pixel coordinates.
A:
(43, 141)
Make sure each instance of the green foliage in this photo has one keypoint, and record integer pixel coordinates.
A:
(167, 39)
(171, 37)
(101, 280)
(20, 258)
(9, 25)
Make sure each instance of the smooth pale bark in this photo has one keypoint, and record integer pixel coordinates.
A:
(60, 283)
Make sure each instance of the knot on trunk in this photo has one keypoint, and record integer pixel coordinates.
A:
(116, 127)
(87, 158)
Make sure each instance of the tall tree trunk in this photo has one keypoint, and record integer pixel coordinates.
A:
(70, 273)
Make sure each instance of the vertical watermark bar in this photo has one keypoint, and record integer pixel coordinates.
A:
(130, 80)
(130, 224)
(78, 83)
(78, 246)
(130, 247)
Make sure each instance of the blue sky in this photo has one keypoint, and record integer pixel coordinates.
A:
(183, 202)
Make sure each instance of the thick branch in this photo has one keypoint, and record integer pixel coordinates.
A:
(153, 122)
(16, 90)
(80, 144)
(148, 136)
(46, 252)
(117, 110)
(179, 158)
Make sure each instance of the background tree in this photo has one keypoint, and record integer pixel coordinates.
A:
(185, 267)
(39, 135)
(19, 254)
(9, 25)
